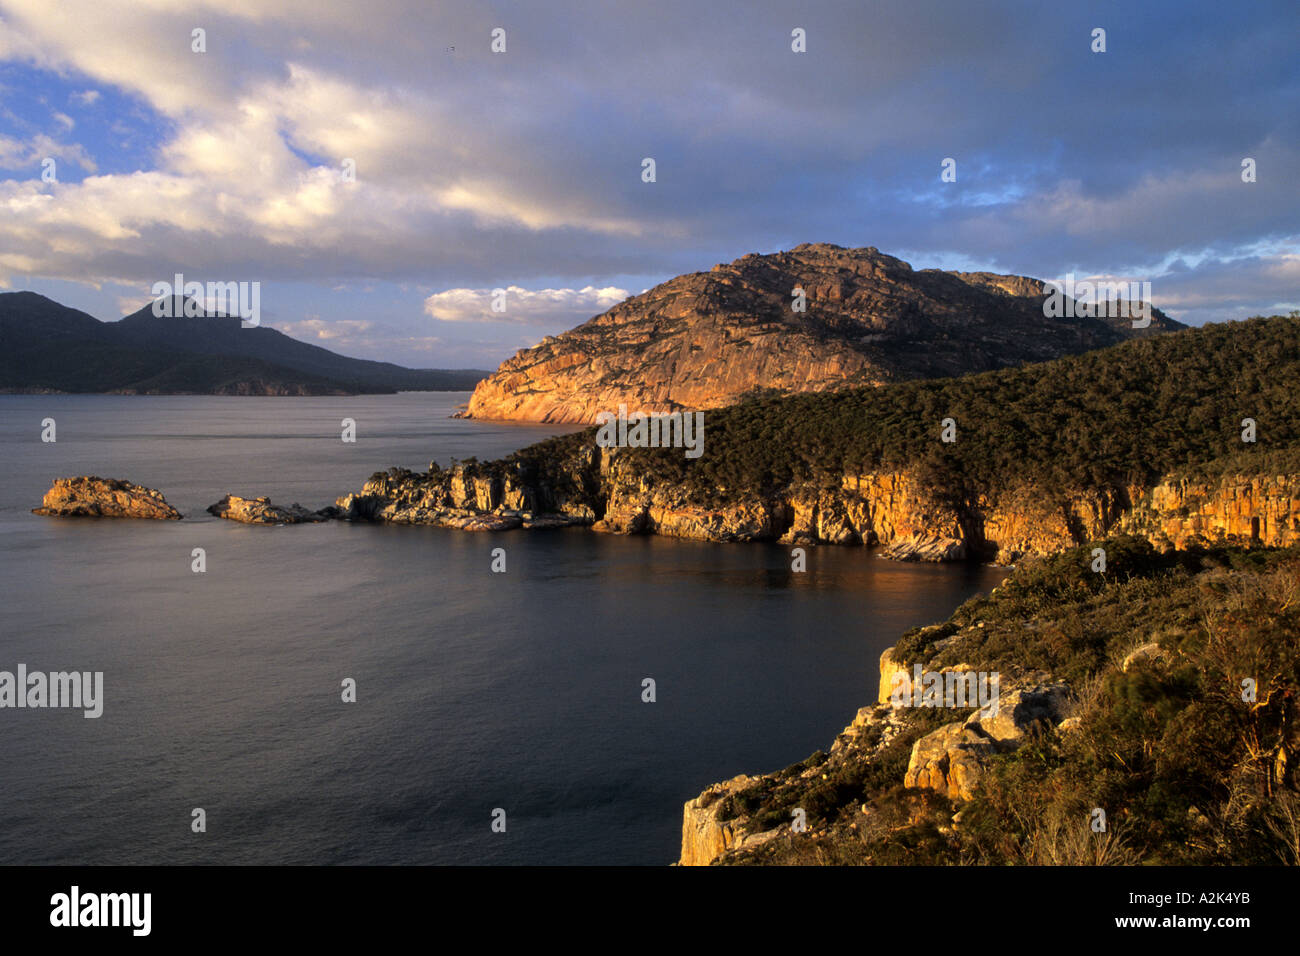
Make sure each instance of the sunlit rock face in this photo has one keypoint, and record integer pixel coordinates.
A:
(703, 340)
(89, 496)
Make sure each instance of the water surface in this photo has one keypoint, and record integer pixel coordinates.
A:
(475, 690)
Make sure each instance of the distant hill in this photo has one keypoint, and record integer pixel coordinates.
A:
(706, 339)
(48, 347)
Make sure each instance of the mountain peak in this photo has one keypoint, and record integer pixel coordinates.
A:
(704, 339)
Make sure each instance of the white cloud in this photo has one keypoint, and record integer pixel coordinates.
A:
(130, 304)
(534, 307)
(314, 327)
(475, 169)
(16, 154)
(1236, 288)
(234, 186)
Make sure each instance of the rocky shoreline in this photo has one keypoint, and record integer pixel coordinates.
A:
(89, 496)
(593, 487)
(947, 762)
(261, 511)
(596, 487)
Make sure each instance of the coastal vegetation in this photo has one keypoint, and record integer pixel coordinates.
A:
(1116, 417)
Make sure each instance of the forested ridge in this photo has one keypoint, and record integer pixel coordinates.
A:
(1125, 415)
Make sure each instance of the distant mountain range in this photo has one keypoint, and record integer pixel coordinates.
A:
(706, 339)
(48, 347)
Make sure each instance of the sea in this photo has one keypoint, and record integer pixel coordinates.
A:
(499, 717)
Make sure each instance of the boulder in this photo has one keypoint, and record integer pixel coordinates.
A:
(1007, 720)
(950, 760)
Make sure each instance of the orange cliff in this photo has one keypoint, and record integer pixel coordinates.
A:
(601, 488)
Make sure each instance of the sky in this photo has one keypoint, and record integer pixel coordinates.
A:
(380, 169)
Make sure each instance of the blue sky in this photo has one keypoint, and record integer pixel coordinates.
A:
(522, 170)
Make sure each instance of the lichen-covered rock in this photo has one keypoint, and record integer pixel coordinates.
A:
(89, 496)
(950, 760)
(1007, 720)
(261, 511)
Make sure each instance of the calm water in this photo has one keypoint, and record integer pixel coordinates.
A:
(475, 690)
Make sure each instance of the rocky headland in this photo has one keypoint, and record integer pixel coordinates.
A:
(1120, 733)
(1042, 458)
(704, 340)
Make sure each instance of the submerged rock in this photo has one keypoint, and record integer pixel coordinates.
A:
(261, 511)
(93, 497)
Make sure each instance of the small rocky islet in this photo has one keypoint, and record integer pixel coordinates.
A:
(89, 496)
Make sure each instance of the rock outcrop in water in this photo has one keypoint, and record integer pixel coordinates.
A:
(90, 496)
(493, 496)
(261, 511)
(702, 340)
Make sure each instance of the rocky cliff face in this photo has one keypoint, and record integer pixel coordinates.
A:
(702, 340)
(1261, 509)
(704, 835)
(89, 496)
(601, 487)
